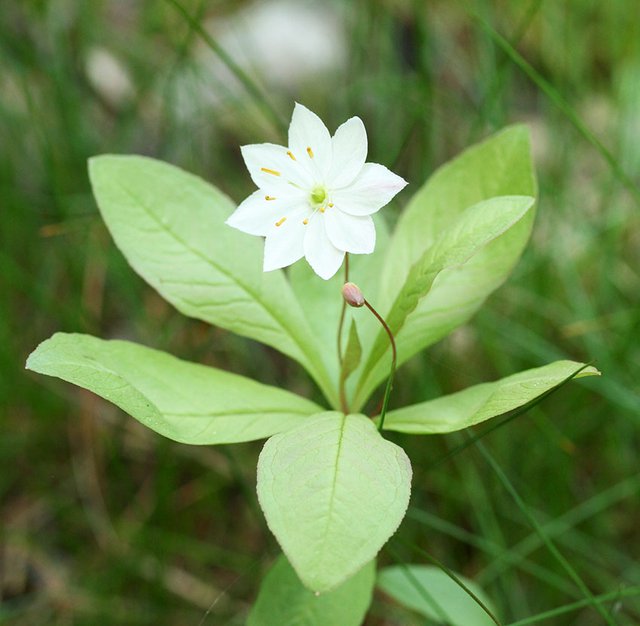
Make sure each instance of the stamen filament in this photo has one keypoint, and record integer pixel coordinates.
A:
(269, 171)
(269, 198)
(281, 221)
(310, 151)
(290, 155)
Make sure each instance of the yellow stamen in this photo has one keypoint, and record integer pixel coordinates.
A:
(290, 155)
(281, 221)
(322, 209)
(305, 221)
(310, 152)
(331, 205)
(269, 198)
(268, 171)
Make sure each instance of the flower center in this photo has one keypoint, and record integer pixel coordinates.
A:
(318, 195)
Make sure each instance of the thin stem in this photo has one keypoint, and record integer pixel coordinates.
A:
(457, 581)
(420, 588)
(251, 87)
(559, 100)
(344, 308)
(551, 547)
(394, 360)
(342, 391)
(574, 606)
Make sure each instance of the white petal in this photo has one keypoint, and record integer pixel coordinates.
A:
(349, 153)
(257, 216)
(324, 258)
(310, 141)
(284, 244)
(349, 233)
(272, 169)
(374, 187)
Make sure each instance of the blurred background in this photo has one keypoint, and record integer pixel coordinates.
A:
(104, 522)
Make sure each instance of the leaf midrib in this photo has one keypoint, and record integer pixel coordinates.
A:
(334, 484)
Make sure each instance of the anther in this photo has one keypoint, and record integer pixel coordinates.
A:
(290, 155)
(281, 221)
(269, 198)
(310, 152)
(268, 171)
(305, 221)
(330, 205)
(322, 209)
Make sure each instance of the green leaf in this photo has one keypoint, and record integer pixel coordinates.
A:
(430, 592)
(285, 601)
(476, 227)
(499, 166)
(352, 353)
(183, 401)
(482, 402)
(333, 491)
(170, 226)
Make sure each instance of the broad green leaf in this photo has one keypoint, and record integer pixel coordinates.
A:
(170, 226)
(321, 300)
(482, 402)
(499, 166)
(183, 401)
(476, 227)
(430, 592)
(284, 601)
(333, 491)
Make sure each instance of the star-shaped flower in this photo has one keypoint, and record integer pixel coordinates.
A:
(315, 197)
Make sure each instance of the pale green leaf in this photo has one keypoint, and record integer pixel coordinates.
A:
(499, 166)
(430, 592)
(352, 353)
(183, 401)
(481, 402)
(333, 491)
(476, 227)
(284, 601)
(170, 226)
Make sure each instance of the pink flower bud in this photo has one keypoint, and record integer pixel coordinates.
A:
(352, 295)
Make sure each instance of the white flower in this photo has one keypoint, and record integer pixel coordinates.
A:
(316, 197)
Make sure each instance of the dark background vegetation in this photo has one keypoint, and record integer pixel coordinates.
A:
(104, 522)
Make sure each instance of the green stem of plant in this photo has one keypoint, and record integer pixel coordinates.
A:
(558, 99)
(420, 588)
(457, 581)
(344, 308)
(574, 606)
(394, 360)
(551, 547)
(251, 87)
(343, 392)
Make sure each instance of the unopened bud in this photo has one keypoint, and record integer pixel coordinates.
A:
(352, 295)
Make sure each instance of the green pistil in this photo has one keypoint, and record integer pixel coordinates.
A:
(318, 195)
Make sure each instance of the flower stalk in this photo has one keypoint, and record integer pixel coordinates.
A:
(352, 296)
(392, 370)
